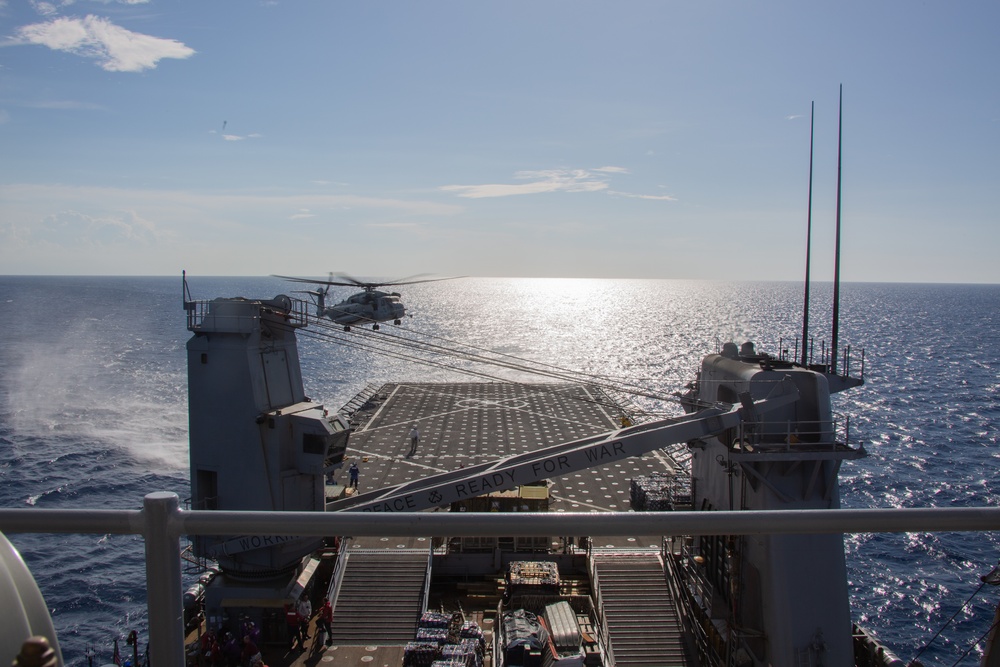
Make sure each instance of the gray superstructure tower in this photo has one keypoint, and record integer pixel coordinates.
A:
(782, 599)
(256, 441)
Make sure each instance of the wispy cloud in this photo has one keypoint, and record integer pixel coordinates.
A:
(113, 47)
(44, 8)
(794, 116)
(303, 214)
(241, 137)
(76, 227)
(635, 196)
(552, 180)
(47, 8)
(62, 214)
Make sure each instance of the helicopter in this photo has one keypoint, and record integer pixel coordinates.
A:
(369, 306)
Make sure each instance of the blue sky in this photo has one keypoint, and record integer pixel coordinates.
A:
(570, 139)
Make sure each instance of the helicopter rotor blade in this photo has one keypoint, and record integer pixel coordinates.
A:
(315, 281)
(409, 281)
(349, 281)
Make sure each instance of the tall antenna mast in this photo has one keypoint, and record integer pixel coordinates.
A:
(805, 305)
(836, 254)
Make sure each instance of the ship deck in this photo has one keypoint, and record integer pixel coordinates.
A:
(463, 424)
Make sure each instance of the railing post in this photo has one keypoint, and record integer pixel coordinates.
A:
(163, 580)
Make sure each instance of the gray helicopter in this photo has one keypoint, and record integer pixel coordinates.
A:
(370, 306)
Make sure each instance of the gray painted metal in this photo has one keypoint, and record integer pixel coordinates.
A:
(161, 522)
(163, 580)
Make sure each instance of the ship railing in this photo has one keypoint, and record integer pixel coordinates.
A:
(670, 553)
(694, 594)
(604, 636)
(162, 524)
(820, 359)
(199, 311)
(337, 576)
(823, 435)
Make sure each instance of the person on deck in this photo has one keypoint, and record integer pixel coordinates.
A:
(414, 440)
(305, 615)
(354, 473)
(325, 621)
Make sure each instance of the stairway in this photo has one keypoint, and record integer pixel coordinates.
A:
(643, 627)
(381, 598)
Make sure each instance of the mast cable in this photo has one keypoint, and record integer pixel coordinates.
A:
(936, 634)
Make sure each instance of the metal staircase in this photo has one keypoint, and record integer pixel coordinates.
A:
(643, 628)
(380, 597)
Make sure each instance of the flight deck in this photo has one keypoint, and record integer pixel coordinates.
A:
(462, 425)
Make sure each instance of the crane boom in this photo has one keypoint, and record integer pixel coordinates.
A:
(565, 458)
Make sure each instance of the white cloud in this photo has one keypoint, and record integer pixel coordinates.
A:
(635, 196)
(239, 137)
(115, 48)
(553, 180)
(302, 214)
(44, 8)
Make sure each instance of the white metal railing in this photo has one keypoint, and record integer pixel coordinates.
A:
(162, 524)
(198, 312)
(827, 435)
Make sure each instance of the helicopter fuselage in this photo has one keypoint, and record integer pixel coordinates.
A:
(367, 306)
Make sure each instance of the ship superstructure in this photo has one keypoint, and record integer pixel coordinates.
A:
(771, 599)
(257, 442)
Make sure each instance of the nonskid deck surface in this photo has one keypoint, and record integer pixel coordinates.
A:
(464, 424)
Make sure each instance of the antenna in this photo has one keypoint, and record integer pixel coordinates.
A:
(836, 254)
(809, 215)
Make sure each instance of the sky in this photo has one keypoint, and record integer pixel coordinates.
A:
(520, 138)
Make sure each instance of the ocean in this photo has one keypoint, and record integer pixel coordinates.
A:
(93, 411)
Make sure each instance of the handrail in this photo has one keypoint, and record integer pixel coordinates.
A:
(162, 523)
(677, 592)
(337, 576)
(602, 621)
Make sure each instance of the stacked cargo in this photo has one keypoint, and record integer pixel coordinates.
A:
(420, 654)
(444, 640)
(659, 492)
(532, 578)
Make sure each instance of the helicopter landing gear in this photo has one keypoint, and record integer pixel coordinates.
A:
(347, 327)
(375, 327)
(396, 322)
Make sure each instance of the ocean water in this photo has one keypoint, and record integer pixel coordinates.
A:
(93, 411)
